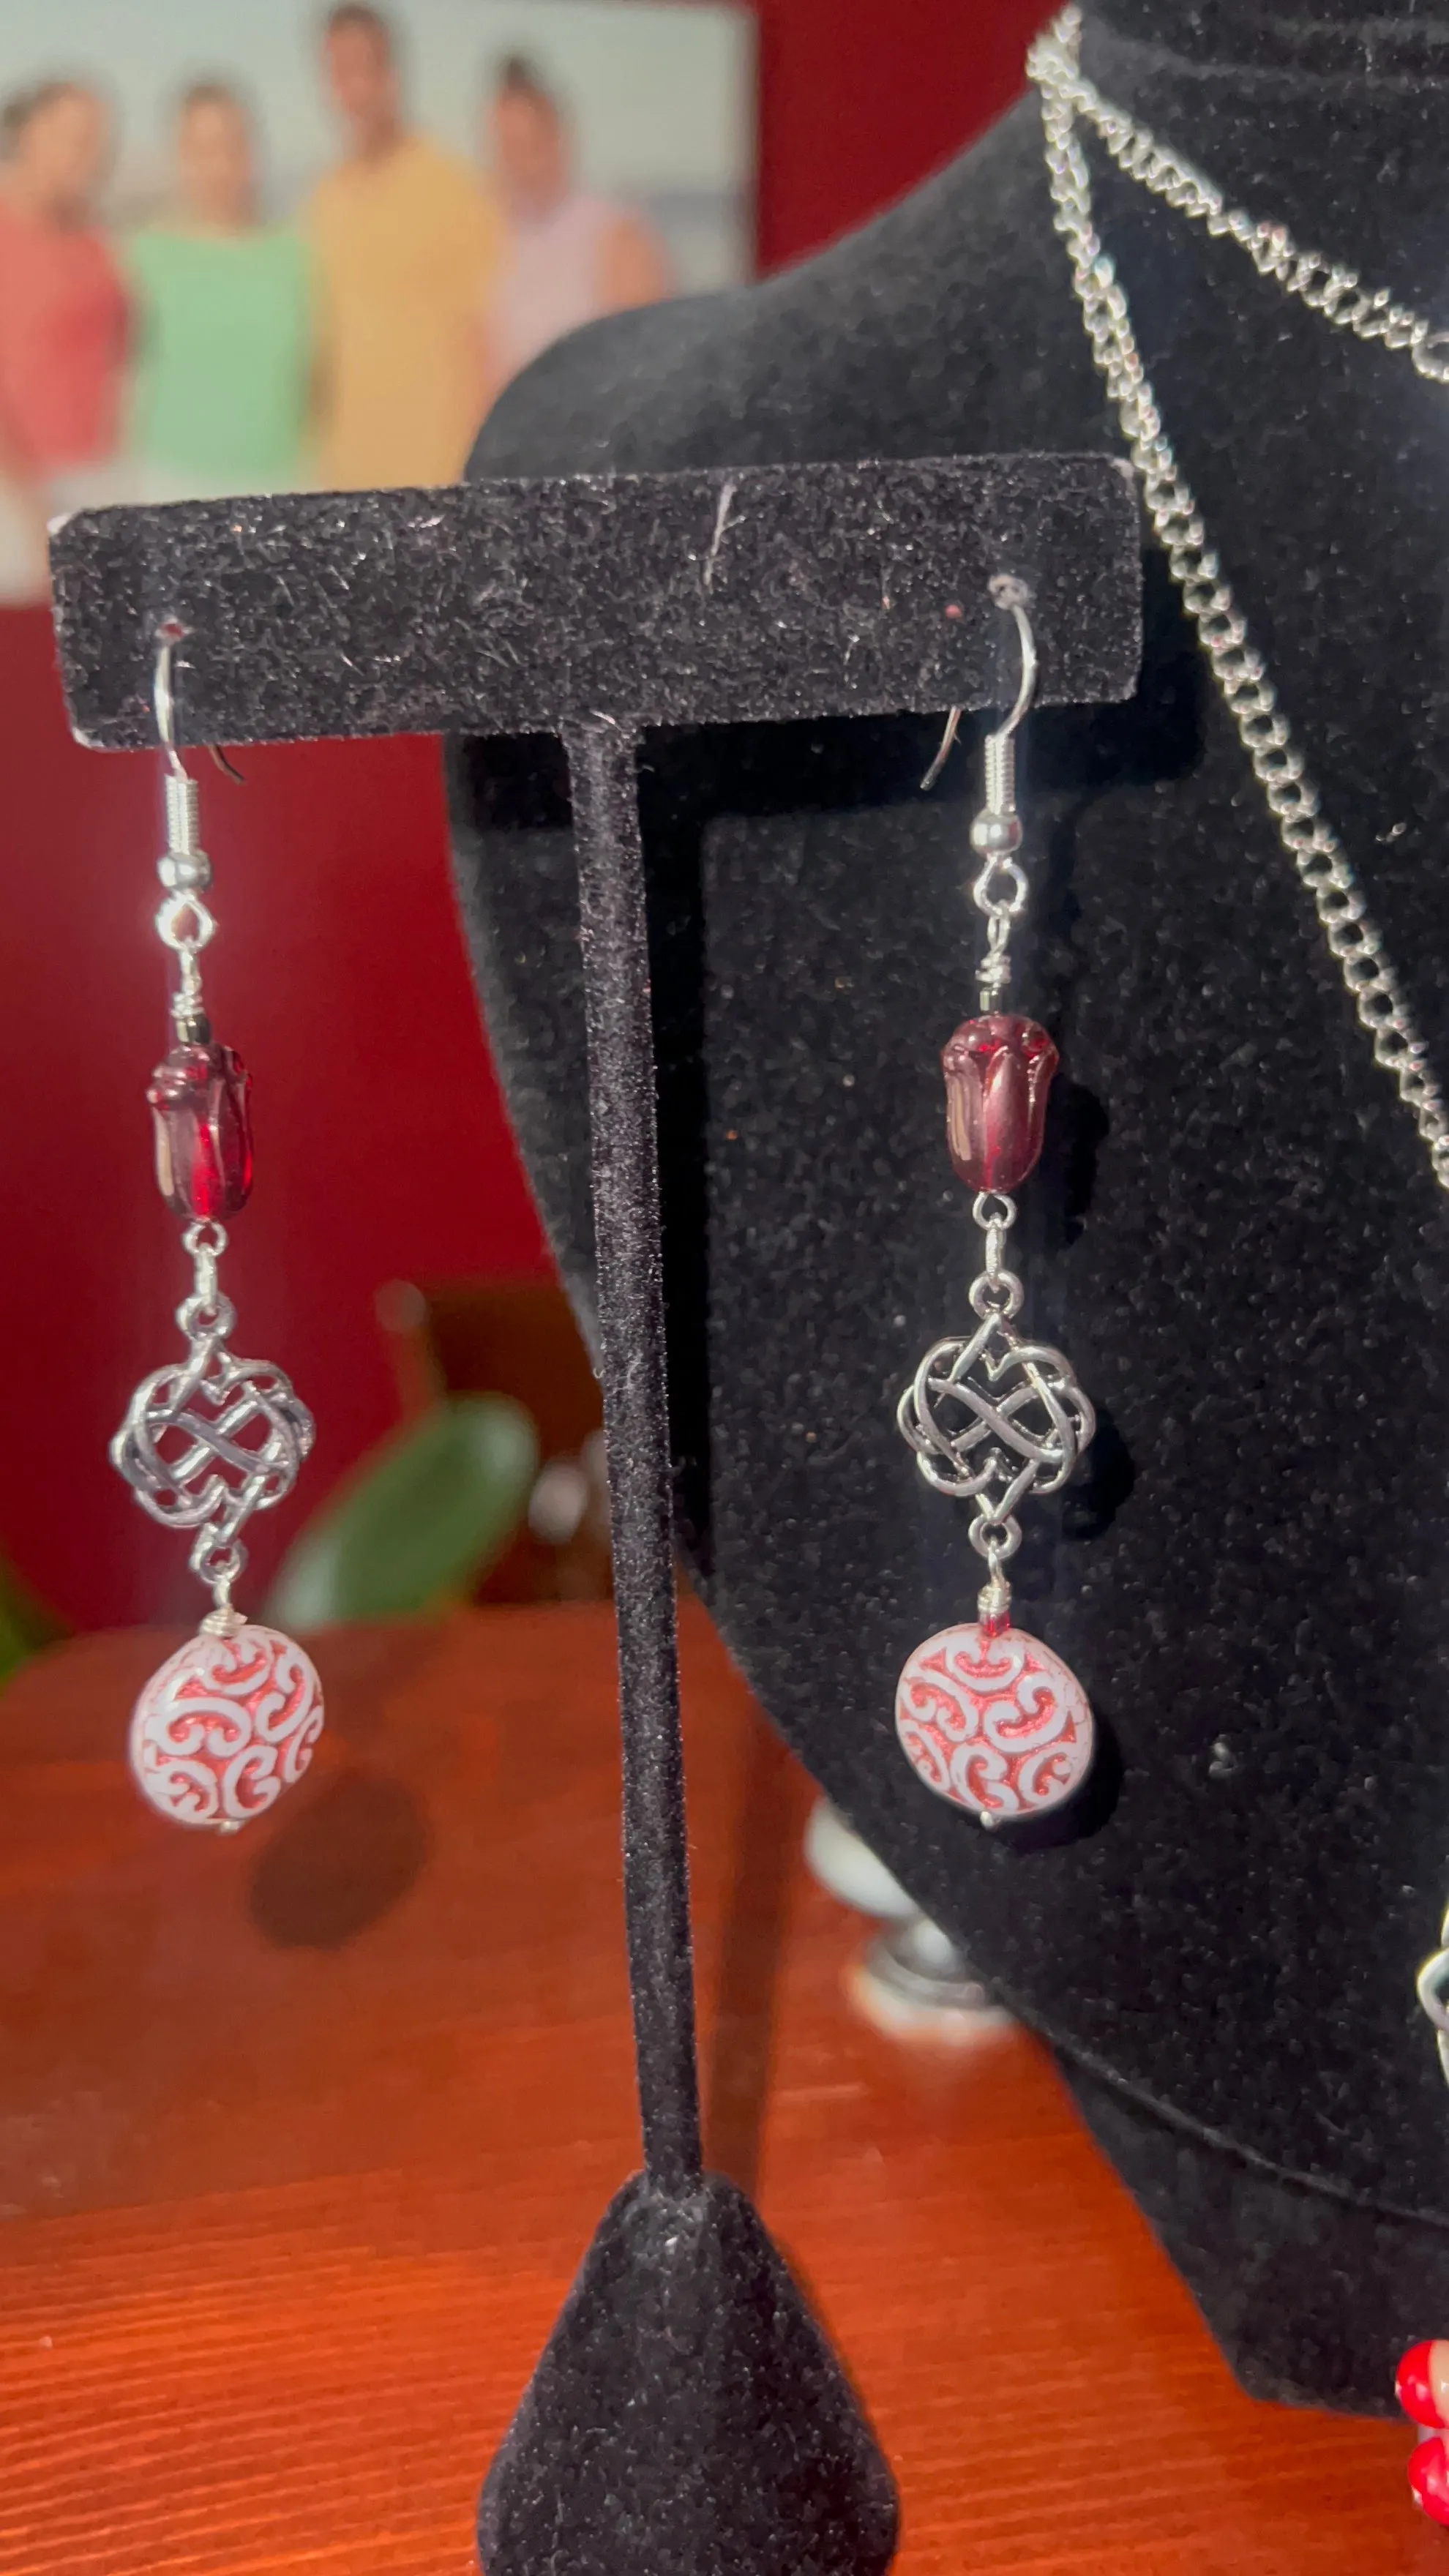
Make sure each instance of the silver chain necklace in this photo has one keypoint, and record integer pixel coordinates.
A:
(1241, 673)
(1336, 292)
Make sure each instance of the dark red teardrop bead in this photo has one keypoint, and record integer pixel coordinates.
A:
(998, 1074)
(201, 1103)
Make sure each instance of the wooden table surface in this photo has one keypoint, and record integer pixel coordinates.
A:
(302, 2136)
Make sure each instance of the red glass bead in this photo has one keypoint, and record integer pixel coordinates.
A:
(201, 1101)
(998, 1074)
(1429, 2478)
(1414, 2383)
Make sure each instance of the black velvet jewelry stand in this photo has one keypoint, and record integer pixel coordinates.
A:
(1239, 1240)
(688, 2417)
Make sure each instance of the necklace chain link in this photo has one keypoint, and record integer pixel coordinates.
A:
(1325, 286)
(1238, 668)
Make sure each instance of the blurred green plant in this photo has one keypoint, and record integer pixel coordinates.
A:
(26, 1625)
(418, 1522)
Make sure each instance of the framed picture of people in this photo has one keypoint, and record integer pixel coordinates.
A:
(305, 247)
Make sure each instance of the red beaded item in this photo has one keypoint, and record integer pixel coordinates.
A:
(998, 1075)
(201, 1101)
(1414, 2386)
(1421, 2385)
(1429, 2478)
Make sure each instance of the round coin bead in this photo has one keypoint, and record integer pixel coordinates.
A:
(224, 1727)
(995, 1722)
(998, 1077)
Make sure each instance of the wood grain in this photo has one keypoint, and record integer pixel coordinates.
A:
(302, 2136)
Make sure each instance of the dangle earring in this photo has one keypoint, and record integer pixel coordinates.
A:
(231, 1720)
(988, 1716)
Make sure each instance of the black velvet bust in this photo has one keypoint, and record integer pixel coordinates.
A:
(1235, 1232)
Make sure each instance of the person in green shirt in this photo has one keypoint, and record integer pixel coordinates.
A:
(223, 323)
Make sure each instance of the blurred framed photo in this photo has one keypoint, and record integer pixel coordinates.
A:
(294, 247)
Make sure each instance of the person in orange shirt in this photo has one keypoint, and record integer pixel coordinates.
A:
(64, 326)
(406, 244)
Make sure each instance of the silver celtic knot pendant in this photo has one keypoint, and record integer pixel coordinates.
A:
(208, 1442)
(213, 1438)
(1433, 1993)
(995, 1417)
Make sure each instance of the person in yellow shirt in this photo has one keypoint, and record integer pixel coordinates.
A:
(406, 246)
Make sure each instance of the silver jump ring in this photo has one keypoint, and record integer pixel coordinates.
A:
(992, 1209)
(1000, 1293)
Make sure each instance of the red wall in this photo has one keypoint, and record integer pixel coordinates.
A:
(382, 1145)
(861, 98)
(383, 1150)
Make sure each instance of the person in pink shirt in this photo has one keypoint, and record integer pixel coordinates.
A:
(570, 257)
(63, 324)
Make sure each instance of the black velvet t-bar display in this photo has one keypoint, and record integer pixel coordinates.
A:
(687, 2418)
(515, 607)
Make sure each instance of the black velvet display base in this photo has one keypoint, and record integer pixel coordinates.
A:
(688, 2417)
(1234, 1233)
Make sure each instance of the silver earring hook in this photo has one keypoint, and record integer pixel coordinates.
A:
(164, 699)
(948, 745)
(164, 694)
(1011, 595)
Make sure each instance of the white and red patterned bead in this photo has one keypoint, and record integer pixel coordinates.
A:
(996, 1723)
(224, 1727)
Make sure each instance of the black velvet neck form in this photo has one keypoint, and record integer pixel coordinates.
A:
(1235, 1232)
(1313, 39)
(1338, 135)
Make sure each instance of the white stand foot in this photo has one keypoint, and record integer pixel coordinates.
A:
(913, 1983)
(847, 1868)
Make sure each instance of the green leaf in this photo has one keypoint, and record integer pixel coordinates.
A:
(418, 1522)
(15, 1648)
(26, 1622)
